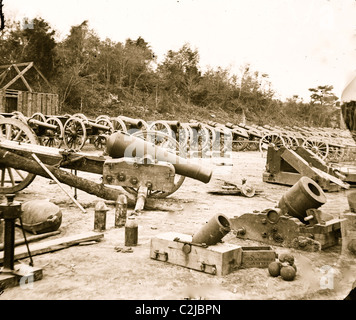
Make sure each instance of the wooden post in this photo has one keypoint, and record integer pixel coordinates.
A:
(120, 211)
(141, 199)
(100, 216)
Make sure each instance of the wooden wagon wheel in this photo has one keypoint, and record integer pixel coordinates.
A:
(161, 126)
(75, 133)
(100, 139)
(225, 140)
(171, 145)
(184, 133)
(13, 180)
(20, 116)
(54, 137)
(274, 140)
(239, 143)
(291, 141)
(200, 139)
(81, 116)
(318, 147)
(119, 125)
(336, 153)
(38, 116)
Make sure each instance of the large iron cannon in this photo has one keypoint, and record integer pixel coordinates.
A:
(121, 145)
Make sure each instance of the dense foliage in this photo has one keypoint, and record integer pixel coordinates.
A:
(96, 77)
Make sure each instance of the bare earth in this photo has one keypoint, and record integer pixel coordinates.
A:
(98, 271)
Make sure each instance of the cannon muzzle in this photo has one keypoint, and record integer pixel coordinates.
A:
(121, 144)
(136, 123)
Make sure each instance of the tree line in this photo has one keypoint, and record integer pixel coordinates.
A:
(95, 76)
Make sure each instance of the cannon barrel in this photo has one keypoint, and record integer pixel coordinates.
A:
(303, 195)
(137, 123)
(42, 124)
(193, 125)
(173, 124)
(120, 145)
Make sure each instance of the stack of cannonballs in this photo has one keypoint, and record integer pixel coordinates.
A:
(283, 266)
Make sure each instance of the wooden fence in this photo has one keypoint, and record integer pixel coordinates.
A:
(29, 103)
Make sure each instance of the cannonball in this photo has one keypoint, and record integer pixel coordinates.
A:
(286, 257)
(288, 273)
(274, 268)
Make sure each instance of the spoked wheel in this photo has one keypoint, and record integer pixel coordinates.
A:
(239, 143)
(81, 116)
(274, 140)
(38, 116)
(75, 134)
(200, 139)
(161, 126)
(100, 139)
(183, 135)
(253, 144)
(20, 116)
(14, 180)
(319, 148)
(53, 137)
(119, 125)
(291, 142)
(336, 153)
(225, 140)
(172, 146)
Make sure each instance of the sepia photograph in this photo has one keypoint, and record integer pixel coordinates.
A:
(176, 155)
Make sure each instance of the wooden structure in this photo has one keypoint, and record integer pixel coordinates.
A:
(17, 96)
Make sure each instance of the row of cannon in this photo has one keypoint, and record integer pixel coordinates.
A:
(192, 137)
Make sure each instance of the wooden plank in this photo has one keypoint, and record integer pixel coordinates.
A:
(11, 280)
(49, 104)
(53, 245)
(31, 105)
(19, 101)
(39, 102)
(56, 105)
(2, 101)
(32, 238)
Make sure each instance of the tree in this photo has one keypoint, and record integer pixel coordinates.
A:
(35, 43)
(323, 102)
(323, 96)
(180, 72)
(77, 65)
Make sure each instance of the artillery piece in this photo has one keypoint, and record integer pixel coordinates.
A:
(139, 166)
(78, 128)
(49, 130)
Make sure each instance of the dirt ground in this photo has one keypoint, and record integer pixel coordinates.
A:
(98, 271)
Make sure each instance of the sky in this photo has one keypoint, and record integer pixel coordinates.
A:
(300, 44)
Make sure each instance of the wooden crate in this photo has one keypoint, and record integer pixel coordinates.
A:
(176, 248)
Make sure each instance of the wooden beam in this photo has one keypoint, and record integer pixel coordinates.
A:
(18, 64)
(18, 76)
(42, 76)
(32, 238)
(54, 245)
(23, 79)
